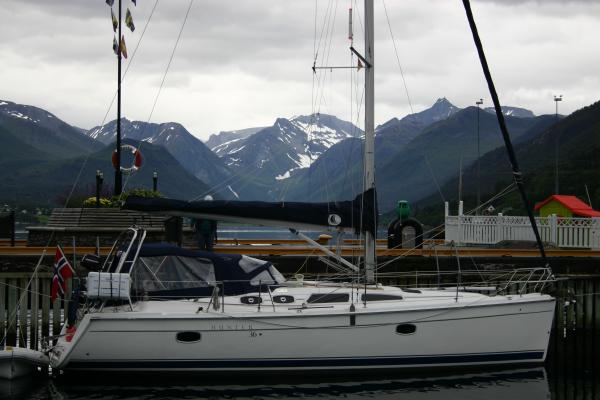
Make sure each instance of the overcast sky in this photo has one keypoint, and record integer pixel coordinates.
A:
(243, 63)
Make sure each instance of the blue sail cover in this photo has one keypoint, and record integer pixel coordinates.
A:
(166, 271)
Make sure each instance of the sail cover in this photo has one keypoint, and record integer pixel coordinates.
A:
(167, 271)
(359, 214)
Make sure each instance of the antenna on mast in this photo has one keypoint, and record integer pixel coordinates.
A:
(350, 31)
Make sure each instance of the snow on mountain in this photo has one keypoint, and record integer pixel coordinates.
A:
(275, 152)
(191, 153)
(512, 112)
(45, 131)
(219, 142)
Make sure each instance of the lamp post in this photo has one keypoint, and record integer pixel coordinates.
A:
(556, 100)
(155, 181)
(99, 180)
(478, 103)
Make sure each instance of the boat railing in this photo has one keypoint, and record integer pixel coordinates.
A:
(498, 282)
(525, 278)
(512, 281)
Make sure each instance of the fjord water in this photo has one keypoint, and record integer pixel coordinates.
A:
(571, 372)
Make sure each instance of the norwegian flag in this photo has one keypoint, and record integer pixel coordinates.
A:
(62, 272)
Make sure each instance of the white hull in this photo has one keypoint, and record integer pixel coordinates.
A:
(476, 330)
(16, 362)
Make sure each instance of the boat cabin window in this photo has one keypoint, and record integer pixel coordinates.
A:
(188, 337)
(329, 298)
(406, 329)
(379, 297)
(407, 290)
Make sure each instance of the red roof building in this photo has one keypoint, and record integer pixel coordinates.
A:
(565, 206)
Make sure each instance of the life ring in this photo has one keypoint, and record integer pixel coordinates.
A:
(137, 158)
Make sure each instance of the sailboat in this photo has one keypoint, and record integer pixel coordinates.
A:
(156, 307)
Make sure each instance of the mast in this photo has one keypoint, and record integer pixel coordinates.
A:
(118, 176)
(369, 134)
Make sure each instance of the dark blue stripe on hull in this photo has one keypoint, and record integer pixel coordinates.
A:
(313, 362)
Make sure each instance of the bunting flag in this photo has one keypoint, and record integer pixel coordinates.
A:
(123, 48)
(62, 272)
(115, 22)
(115, 45)
(360, 65)
(129, 20)
(110, 2)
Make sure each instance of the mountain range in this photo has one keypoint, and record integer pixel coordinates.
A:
(191, 153)
(578, 140)
(275, 153)
(309, 158)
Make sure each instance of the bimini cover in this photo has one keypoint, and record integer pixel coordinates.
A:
(166, 271)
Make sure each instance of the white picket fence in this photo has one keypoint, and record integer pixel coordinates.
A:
(490, 229)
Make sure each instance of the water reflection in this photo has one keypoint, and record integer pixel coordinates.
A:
(530, 384)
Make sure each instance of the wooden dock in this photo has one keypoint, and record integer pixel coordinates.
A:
(350, 248)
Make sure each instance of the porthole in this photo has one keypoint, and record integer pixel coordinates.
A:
(251, 299)
(283, 299)
(188, 337)
(406, 329)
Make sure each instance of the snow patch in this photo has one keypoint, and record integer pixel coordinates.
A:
(233, 191)
(236, 150)
(283, 176)
(223, 146)
(17, 114)
(2, 103)
(305, 160)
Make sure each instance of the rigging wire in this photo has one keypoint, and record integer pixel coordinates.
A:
(164, 77)
(129, 63)
(437, 185)
(398, 57)
(517, 174)
(510, 188)
(80, 172)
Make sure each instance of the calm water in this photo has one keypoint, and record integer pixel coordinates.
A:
(530, 384)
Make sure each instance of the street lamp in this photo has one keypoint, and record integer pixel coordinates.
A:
(99, 180)
(556, 100)
(155, 181)
(478, 103)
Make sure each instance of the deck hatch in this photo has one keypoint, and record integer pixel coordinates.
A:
(329, 298)
(379, 297)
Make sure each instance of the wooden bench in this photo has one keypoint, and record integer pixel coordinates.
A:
(102, 218)
(92, 226)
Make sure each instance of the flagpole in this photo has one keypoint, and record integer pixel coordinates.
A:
(118, 176)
